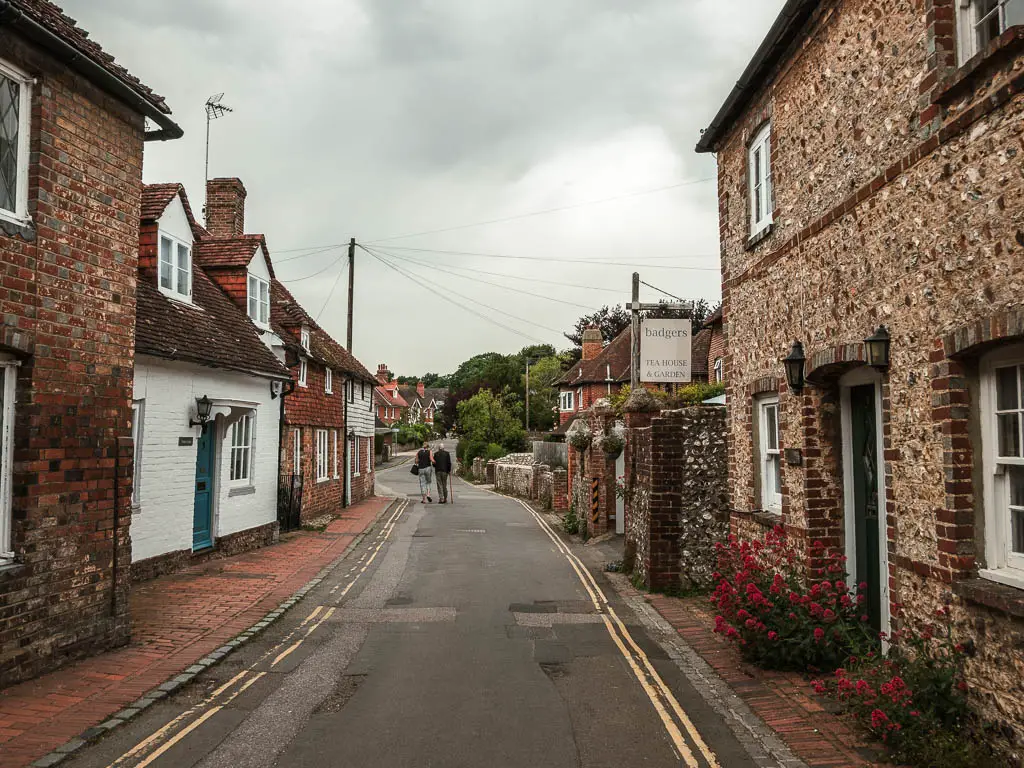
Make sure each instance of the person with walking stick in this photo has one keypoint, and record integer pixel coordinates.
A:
(442, 469)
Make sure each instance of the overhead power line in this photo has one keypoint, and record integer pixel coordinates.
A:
(315, 274)
(436, 268)
(659, 290)
(329, 295)
(443, 297)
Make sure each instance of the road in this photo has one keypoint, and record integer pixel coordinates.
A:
(459, 635)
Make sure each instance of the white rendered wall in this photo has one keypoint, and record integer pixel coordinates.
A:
(162, 521)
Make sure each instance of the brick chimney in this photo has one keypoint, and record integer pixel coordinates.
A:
(420, 389)
(383, 374)
(225, 207)
(593, 342)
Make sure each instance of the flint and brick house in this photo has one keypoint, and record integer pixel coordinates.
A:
(870, 174)
(72, 129)
(207, 487)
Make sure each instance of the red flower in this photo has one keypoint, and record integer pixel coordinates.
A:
(819, 634)
(773, 635)
(878, 718)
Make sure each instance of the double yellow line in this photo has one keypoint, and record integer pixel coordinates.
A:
(672, 715)
(166, 737)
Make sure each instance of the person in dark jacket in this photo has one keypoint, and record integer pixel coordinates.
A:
(425, 461)
(442, 469)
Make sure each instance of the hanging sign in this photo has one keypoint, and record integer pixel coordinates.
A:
(665, 351)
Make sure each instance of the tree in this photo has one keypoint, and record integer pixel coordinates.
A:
(543, 392)
(485, 419)
(612, 321)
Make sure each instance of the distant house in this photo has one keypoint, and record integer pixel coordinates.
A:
(72, 132)
(390, 405)
(424, 403)
(206, 402)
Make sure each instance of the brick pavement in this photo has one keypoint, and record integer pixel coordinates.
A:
(784, 700)
(176, 620)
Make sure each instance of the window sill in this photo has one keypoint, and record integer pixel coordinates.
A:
(998, 590)
(10, 568)
(176, 297)
(242, 490)
(322, 480)
(760, 236)
(14, 227)
(963, 79)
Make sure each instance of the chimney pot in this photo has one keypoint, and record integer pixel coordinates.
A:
(420, 389)
(593, 342)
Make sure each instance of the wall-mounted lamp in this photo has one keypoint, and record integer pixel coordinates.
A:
(203, 407)
(876, 348)
(794, 363)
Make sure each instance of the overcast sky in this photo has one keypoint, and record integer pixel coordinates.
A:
(376, 119)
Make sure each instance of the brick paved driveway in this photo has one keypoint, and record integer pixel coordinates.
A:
(176, 620)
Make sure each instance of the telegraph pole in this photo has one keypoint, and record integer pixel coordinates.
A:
(351, 286)
(634, 358)
(528, 361)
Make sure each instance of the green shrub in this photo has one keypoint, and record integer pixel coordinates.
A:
(494, 451)
(687, 395)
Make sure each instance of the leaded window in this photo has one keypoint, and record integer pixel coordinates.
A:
(14, 135)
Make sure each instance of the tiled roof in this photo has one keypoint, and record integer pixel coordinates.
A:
(615, 355)
(286, 314)
(227, 252)
(714, 318)
(437, 394)
(700, 346)
(211, 332)
(562, 429)
(391, 397)
(156, 198)
(54, 20)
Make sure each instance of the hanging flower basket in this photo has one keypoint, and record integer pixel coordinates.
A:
(579, 435)
(612, 444)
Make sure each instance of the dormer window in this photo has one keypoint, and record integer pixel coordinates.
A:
(259, 301)
(304, 337)
(175, 268)
(15, 114)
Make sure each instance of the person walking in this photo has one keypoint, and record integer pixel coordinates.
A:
(425, 463)
(442, 468)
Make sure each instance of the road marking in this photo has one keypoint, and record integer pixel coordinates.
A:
(315, 618)
(659, 691)
(382, 539)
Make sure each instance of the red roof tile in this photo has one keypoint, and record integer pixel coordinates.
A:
(229, 252)
(54, 20)
(612, 364)
(156, 198)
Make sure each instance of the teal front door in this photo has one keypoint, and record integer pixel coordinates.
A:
(867, 567)
(202, 518)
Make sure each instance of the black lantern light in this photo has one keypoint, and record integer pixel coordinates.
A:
(203, 407)
(876, 348)
(794, 363)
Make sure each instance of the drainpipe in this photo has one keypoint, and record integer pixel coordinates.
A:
(287, 387)
(117, 521)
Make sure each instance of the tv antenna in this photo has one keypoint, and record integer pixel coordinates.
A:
(214, 110)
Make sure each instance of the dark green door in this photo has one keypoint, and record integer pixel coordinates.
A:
(202, 517)
(865, 497)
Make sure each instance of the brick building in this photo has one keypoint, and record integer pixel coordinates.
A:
(198, 487)
(870, 175)
(72, 129)
(424, 402)
(389, 403)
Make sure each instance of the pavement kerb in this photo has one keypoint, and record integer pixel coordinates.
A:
(174, 682)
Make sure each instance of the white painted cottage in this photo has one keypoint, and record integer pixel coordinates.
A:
(207, 401)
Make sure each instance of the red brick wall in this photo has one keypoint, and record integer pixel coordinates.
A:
(67, 303)
(225, 207)
(235, 283)
(716, 350)
(362, 486)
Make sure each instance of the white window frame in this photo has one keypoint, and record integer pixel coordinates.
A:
(1002, 564)
(25, 82)
(1009, 13)
(242, 451)
(565, 399)
(328, 381)
(720, 369)
(579, 399)
(334, 446)
(258, 300)
(138, 421)
(322, 457)
(771, 495)
(304, 338)
(175, 265)
(297, 451)
(759, 177)
(355, 455)
(8, 389)
(303, 371)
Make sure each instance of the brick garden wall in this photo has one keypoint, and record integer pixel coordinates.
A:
(67, 307)
(899, 200)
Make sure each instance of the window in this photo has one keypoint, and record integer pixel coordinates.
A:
(322, 459)
(259, 301)
(355, 456)
(770, 458)
(351, 391)
(8, 377)
(138, 411)
(759, 161)
(565, 401)
(719, 369)
(297, 451)
(304, 338)
(15, 115)
(579, 399)
(328, 381)
(334, 447)
(175, 268)
(303, 371)
(981, 21)
(243, 438)
(1002, 404)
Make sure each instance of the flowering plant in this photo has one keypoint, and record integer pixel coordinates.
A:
(914, 698)
(780, 616)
